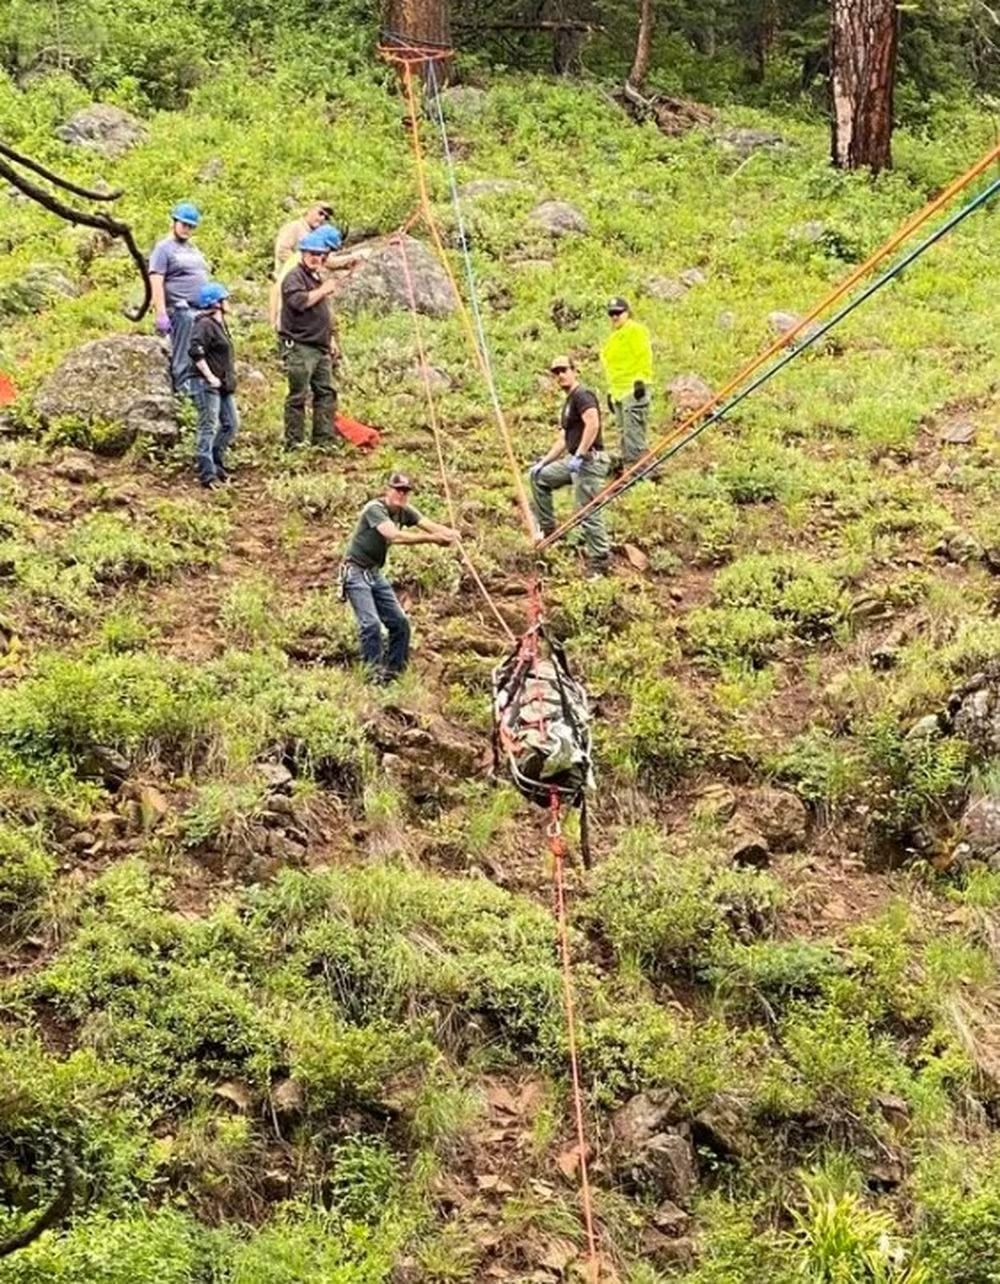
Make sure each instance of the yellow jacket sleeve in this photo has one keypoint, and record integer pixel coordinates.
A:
(627, 355)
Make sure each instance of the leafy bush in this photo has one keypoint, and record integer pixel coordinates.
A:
(673, 912)
(27, 872)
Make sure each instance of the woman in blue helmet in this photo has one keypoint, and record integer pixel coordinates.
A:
(177, 271)
(213, 384)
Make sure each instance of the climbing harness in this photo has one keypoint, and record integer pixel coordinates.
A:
(805, 331)
(103, 222)
(541, 728)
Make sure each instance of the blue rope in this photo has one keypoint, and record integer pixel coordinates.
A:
(813, 336)
(481, 342)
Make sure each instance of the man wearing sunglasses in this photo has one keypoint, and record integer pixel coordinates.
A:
(627, 359)
(576, 458)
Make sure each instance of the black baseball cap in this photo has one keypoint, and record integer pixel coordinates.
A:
(400, 481)
(617, 304)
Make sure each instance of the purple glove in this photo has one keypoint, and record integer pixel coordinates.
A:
(574, 463)
(162, 323)
(536, 468)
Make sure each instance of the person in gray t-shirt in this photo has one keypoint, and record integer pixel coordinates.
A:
(177, 271)
(382, 522)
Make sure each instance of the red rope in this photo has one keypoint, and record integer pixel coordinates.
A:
(557, 846)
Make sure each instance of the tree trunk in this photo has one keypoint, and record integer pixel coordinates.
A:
(643, 45)
(864, 39)
(422, 22)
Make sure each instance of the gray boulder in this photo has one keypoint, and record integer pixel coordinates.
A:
(558, 218)
(744, 142)
(121, 382)
(665, 288)
(379, 284)
(102, 128)
(36, 289)
(974, 711)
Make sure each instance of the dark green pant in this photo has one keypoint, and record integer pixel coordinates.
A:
(309, 370)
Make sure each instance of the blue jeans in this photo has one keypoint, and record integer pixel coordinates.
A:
(181, 325)
(375, 604)
(218, 423)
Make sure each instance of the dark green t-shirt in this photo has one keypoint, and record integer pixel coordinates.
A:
(368, 548)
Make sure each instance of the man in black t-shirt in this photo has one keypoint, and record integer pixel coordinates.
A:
(585, 465)
(305, 328)
(382, 522)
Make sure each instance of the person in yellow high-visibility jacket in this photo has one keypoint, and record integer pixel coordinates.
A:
(627, 361)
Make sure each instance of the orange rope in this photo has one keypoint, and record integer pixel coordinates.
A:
(782, 341)
(425, 205)
(436, 430)
(557, 846)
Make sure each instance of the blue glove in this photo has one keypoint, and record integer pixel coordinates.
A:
(536, 468)
(574, 463)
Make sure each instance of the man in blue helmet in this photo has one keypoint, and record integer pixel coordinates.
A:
(333, 240)
(305, 329)
(177, 271)
(213, 385)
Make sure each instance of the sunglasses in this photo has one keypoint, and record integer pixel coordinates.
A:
(620, 312)
(558, 369)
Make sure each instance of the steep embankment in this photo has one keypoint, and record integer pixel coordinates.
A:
(283, 991)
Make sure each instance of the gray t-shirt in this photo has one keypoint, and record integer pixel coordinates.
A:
(183, 268)
(368, 549)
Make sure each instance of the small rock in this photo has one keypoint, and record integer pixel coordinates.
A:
(667, 1253)
(642, 1116)
(34, 290)
(81, 841)
(285, 849)
(558, 218)
(746, 846)
(666, 1163)
(153, 807)
(102, 762)
(463, 101)
(665, 288)
(276, 775)
(689, 392)
(958, 434)
(670, 1219)
(716, 802)
(235, 1092)
(895, 1110)
(925, 728)
(959, 547)
(287, 1097)
(780, 816)
(782, 322)
(76, 467)
(979, 829)
(693, 276)
(723, 1129)
(212, 170)
(433, 377)
(726, 320)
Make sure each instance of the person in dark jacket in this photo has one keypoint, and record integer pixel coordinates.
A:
(305, 328)
(213, 385)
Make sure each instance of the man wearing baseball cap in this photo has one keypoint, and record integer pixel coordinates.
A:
(627, 359)
(382, 522)
(319, 214)
(584, 468)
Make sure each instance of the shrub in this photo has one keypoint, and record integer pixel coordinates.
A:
(27, 873)
(672, 911)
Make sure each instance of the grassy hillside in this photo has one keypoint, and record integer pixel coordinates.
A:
(281, 978)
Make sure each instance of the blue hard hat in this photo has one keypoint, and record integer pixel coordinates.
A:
(210, 294)
(332, 237)
(185, 212)
(315, 241)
